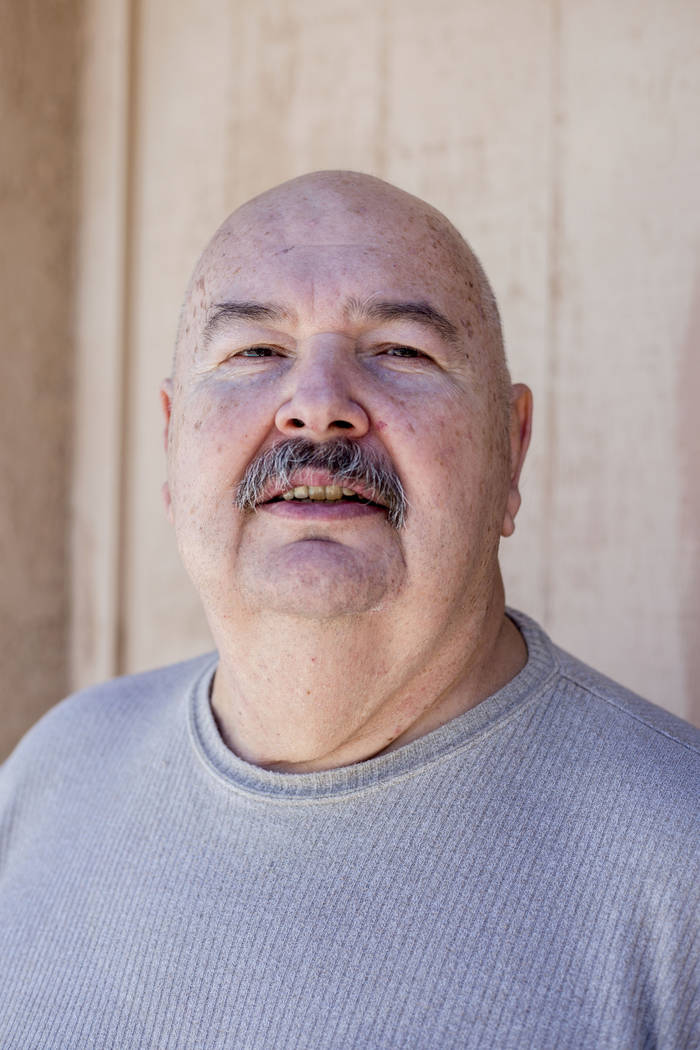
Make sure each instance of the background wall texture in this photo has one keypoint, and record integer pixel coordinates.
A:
(559, 135)
(38, 213)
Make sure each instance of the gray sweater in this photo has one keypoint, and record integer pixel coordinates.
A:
(525, 876)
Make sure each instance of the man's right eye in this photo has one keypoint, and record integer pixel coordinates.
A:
(257, 351)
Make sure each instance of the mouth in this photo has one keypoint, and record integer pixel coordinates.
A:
(313, 495)
(310, 487)
(302, 479)
(323, 494)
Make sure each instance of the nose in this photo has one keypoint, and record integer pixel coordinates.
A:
(321, 405)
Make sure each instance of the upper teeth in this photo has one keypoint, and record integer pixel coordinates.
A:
(317, 492)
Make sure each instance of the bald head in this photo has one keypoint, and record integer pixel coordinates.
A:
(353, 212)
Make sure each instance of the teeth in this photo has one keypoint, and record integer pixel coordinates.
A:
(317, 492)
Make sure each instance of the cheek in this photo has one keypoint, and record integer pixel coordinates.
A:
(214, 442)
(449, 471)
(444, 446)
(219, 426)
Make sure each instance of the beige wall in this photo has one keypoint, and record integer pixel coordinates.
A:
(560, 136)
(38, 95)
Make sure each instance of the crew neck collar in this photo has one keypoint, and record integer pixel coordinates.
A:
(344, 781)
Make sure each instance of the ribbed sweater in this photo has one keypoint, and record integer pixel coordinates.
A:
(526, 876)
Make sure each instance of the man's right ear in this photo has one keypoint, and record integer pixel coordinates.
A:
(166, 401)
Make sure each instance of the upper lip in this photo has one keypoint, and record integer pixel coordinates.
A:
(312, 476)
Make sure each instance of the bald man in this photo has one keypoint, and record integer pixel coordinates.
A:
(386, 812)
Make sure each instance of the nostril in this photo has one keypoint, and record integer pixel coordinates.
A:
(342, 424)
(296, 422)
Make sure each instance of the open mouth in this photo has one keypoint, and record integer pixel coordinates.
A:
(323, 494)
(305, 480)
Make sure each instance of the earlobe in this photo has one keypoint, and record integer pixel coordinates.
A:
(520, 431)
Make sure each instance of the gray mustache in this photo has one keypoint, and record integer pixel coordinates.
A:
(346, 461)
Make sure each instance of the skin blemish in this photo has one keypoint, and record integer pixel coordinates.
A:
(380, 424)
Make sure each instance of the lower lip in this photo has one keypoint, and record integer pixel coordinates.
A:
(322, 510)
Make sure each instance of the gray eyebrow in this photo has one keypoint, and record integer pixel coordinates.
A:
(371, 309)
(410, 310)
(221, 313)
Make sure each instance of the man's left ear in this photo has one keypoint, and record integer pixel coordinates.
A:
(519, 433)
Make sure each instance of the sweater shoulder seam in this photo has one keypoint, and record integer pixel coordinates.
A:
(611, 702)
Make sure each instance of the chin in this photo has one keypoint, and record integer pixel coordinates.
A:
(316, 599)
(320, 580)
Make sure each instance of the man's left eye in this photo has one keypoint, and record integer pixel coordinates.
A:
(404, 351)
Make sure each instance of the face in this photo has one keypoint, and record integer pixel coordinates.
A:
(346, 318)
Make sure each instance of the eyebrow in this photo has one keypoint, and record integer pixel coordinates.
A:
(389, 310)
(373, 309)
(222, 313)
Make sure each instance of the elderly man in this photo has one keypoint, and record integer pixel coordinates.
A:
(386, 813)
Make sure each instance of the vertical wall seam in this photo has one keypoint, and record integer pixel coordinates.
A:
(128, 261)
(382, 122)
(554, 292)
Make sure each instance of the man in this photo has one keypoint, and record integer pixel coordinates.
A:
(387, 813)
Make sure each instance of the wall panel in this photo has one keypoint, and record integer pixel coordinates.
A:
(39, 63)
(630, 233)
(100, 320)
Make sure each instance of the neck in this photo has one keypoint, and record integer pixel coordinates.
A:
(301, 695)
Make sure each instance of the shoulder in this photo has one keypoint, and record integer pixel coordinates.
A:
(614, 741)
(624, 711)
(106, 719)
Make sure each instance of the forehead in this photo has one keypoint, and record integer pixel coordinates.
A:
(301, 259)
(321, 279)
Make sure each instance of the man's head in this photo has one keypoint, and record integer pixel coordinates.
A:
(339, 334)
